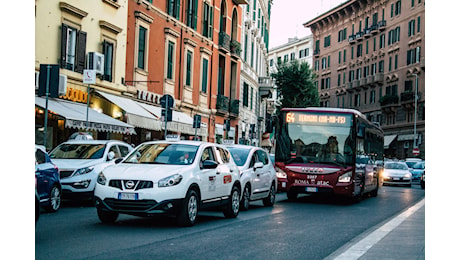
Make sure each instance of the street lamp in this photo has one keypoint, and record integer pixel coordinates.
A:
(415, 110)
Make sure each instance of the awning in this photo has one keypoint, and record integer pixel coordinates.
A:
(181, 122)
(75, 116)
(387, 140)
(136, 115)
(407, 137)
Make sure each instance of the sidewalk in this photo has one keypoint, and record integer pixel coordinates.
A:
(402, 237)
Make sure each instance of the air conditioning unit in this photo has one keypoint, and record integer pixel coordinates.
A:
(62, 83)
(95, 61)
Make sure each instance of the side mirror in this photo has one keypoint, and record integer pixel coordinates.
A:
(209, 164)
(110, 156)
(118, 160)
(258, 165)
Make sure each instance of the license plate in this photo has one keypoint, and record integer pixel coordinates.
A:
(311, 189)
(128, 196)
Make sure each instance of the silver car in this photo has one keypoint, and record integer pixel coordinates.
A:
(397, 173)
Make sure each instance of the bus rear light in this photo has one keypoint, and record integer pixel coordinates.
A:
(345, 177)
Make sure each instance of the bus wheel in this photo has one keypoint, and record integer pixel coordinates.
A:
(292, 195)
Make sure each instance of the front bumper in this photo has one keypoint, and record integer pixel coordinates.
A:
(397, 181)
(140, 207)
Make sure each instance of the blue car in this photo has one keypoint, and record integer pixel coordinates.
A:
(48, 183)
(417, 170)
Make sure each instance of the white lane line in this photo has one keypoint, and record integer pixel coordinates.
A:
(362, 246)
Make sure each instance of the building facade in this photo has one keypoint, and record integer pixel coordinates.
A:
(256, 86)
(370, 56)
(295, 49)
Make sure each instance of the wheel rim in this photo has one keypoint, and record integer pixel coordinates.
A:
(55, 198)
(246, 197)
(192, 208)
(272, 194)
(236, 201)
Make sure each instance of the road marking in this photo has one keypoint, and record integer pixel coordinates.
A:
(362, 246)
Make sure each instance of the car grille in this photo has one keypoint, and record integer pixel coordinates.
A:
(65, 174)
(130, 205)
(138, 184)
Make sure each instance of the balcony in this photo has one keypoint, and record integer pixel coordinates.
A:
(266, 86)
(349, 86)
(222, 104)
(375, 28)
(359, 36)
(370, 79)
(363, 82)
(389, 103)
(240, 2)
(224, 41)
(352, 39)
(367, 32)
(234, 108)
(316, 53)
(382, 25)
(356, 84)
(408, 98)
(378, 78)
(235, 48)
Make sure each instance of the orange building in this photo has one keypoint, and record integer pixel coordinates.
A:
(190, 50)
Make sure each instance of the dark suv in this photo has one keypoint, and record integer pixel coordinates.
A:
(48, 183)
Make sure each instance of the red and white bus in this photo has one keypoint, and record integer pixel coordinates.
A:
(328, 150)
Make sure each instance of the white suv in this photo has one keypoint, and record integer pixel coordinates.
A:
(258, 175)
(81, 161)
(170, 177)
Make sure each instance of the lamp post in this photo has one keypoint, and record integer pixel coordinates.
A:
(415, 110)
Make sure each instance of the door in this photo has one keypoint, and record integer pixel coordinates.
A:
(264, 172)
(211, 182)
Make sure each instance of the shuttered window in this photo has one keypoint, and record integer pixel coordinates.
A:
(73, 48)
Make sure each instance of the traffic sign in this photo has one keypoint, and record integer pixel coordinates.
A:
(416, 151)
(89, 76)
(197, 121)
(167, 101)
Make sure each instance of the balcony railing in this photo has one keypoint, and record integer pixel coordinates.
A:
(378, 77)
(222, 104)
(224, 41)
(382, 25)
(352, 39)
(235, 48)
(234, 107)
(389, 100)
(367, 32)
(316, 52)
(409, 96)
(375, 28)
(359, 36)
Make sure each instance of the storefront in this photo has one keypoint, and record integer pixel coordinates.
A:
(67, 117)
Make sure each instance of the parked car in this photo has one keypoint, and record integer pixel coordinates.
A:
(47, 180)
(37, 203)
(81, 161)
(417, 170)
(397, 173)
(258, 175)
(422, 180)
(177, 178)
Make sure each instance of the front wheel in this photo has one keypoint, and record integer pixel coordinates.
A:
(107, 217)
(244, 204)
(189, 211)
(233, 207)
(269, 201)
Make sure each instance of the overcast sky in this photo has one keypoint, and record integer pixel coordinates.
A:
(287, 17)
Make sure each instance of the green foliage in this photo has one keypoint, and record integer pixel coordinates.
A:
(295, 83)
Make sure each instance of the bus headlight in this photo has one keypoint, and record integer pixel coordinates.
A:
(280, 174)
(345, 177)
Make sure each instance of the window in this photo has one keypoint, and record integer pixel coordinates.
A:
(252, 97)
(204, 76)
(411, 28)
(327, 41)
(286, 58)
(359, 50)
(413, 55)
(293, 56)
(342, 35)
(170, 65)
(108, 60)
(344, 55)
(188, 68)
(191, 13)
(141, 47)
(207, 21)
(396, 61)
(73, 48)
(398, 7)
(173, 8)
(245, 94)
(382, 41)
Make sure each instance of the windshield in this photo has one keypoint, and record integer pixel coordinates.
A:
(78, 151)
(419, 166)
(239, 155)
(305, 138)
(163, 153)
(411, 164)
(396, 166)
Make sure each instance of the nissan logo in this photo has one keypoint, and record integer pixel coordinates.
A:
(129, 184)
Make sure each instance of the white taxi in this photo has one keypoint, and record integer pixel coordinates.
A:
(176, 178)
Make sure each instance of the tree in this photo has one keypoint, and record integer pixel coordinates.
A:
(296, 85)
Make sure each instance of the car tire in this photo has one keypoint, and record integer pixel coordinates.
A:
(244, 204)
(55, 199)
(292, 196)
(269, 201)
(233, 206)
(422, 185)
(107, 217)
(188, 213)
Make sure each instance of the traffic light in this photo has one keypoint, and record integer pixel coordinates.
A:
(166, 114)
(197, 121)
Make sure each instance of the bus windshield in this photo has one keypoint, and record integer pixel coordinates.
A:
(305, 138)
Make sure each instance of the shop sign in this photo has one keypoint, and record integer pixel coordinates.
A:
(75, 95)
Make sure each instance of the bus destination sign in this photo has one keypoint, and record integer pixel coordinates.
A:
(300, 118)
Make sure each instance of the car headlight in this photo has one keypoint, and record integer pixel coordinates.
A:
(101, 179)
(345, 177)
(280, 174)
(83, 171)
(170, 181)
(407, 175)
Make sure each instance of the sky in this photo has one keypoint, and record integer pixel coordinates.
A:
(288, 16)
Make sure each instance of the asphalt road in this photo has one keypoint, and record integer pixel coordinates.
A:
(310, 228)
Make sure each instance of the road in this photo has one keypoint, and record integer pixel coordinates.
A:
(309, 228)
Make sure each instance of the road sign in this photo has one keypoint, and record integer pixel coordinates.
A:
(197, 121)
(48, 80)
(166, 115)
(89, 76)
(167, 101)
(416, 151)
